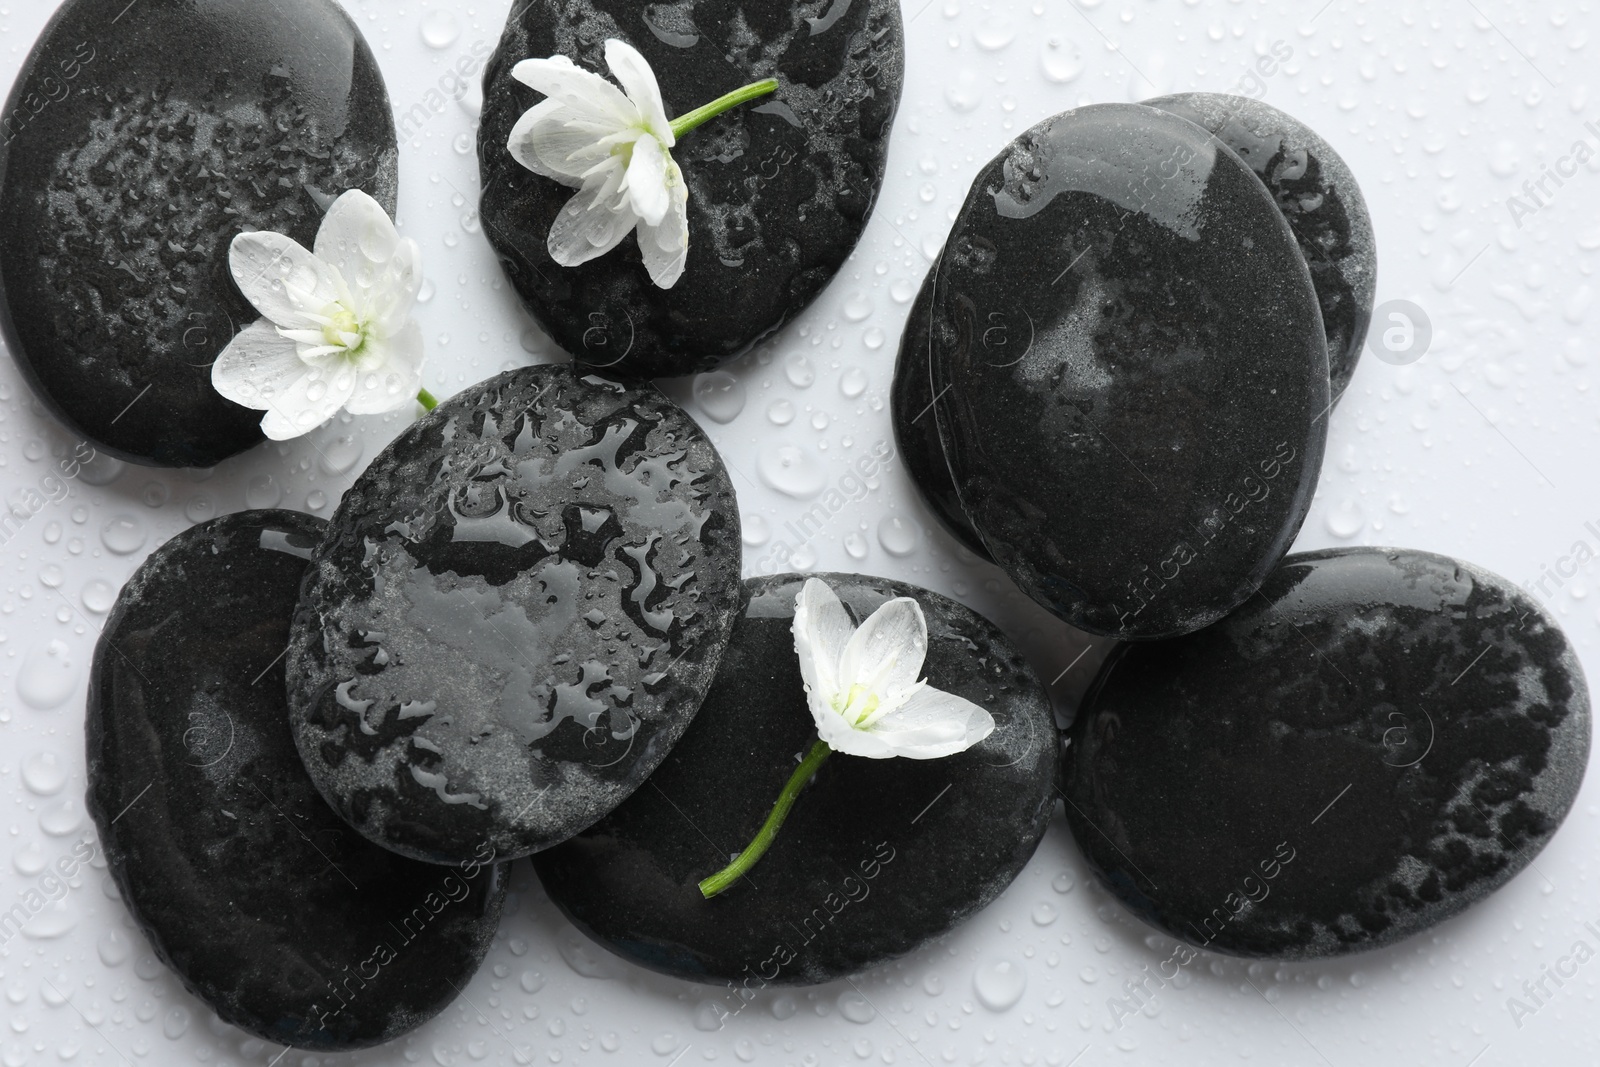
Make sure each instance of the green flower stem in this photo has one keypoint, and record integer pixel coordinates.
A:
(757, 848)
(700, 115)
(427, 400)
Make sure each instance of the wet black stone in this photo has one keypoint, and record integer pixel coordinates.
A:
(1319, 196)
(1381, 739)
(517, 611)
(877, 856)
(916, 423)
(138, 140)
(259, 898)
(779, 190)
(1130, 374)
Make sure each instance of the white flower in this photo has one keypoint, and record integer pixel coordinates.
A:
(614, 149)
(862, 684)
(335, 329)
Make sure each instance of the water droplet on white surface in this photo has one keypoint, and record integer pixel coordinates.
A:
(124, 534)
(341, 455)
(440, 28)
(720, 395)
(44, 774)
(29, 859)
(61, 818)
(854, 1006)
(1044, 913)
(584, 960)
(1061, 60)
(857, 308)
(1063, 882)
(176, 1024)
(853, 382)
(856, 545)
(263, 492)
(781, 413)
(999, 984)
(664, 1044)
(797, 368)
(1345, 520)
(531, 981)
(50, 576)
(113, 948)
(792, 470)
(48, 675)
(784, 1007)
(101, 470)
(756, 530)
(994, 33)
(898, 535)
(199, 508)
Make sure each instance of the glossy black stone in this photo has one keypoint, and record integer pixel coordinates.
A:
(779, 190)
(517, 611)
(259, 898)
(1381, 739)
(916, 422)
(1129, 371)
(137, 142)
(877, 856)
(1322, 201)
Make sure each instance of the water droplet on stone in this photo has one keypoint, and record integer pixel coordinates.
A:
(720, 395)
(48, 675)
(124, 534)
(999, 984)
(43, 773)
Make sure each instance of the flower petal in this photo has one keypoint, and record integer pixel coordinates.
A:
(932, 724)
(885, 656)
(358, 239)
(665, 247)
(286, 283)
(822, 631)
(550, 139)
(310, 401)
(395, 383)
(646, 182)
(257, 364)
(633, 71)
(840, 736)
(590, 225)
(591, 97)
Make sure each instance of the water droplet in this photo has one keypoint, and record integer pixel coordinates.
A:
(999, 984)
(873, 338)
(784, 1007)
(963, 93)
(48, 675)
(781, 413)
(664, 1043)
(124, 534)
(854, 1006)
(43, 773)
(531, 981)
(113, 948)
(98, 596)
(720, 395)
(1061, 60)
(1044, 914)
(756, 530)
(1063, 883)
(797, 368)
(425, 293)
(745, 1050)
(853, 382)
(994, 33)
(176, 1024)
(856, 545)
(791, 470)
(932, 984)
(342, 455)
(857, 308)
(1345, 520)
(316, 500)
(898, 535)
(440, 28)
(30, 859)
(263, 491)
(50, 576)
(708, 1016)
(584, 960)
(61, 818)
(52, 533)
(100, 470)
(199, 508)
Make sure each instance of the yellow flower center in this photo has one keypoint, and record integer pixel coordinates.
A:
(344, 330)
(853, 708)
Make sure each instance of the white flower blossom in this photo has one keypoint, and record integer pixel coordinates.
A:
(862, 685)
(335, 329)
(614, 148)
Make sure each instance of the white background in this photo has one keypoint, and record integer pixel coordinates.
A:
(1483, 449)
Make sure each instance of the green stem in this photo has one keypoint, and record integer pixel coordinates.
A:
(427, 400)
(700, 115)
(769, 829)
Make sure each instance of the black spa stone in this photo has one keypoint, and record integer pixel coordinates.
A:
(517, 611)
(878, 856)
(137, 141)
(1128, 371)
(1319, 196)
(266, 906)
(779, 190)
(916, 423)
(1381, 739)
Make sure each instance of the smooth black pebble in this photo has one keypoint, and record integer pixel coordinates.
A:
(1320, 198)
(267, 907)
(779, 190)
(1381, 739)
(518, 609)
(878, 856)
(1128, 372)
(138, 141)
